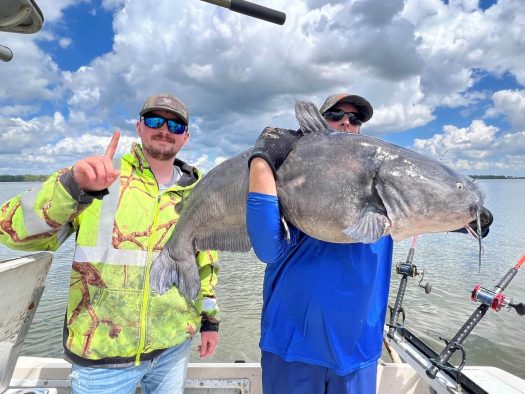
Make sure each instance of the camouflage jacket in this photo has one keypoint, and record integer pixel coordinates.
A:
(112, 315)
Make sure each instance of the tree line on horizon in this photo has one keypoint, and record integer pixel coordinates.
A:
(41, 178)
(496, 177)
(23, 178)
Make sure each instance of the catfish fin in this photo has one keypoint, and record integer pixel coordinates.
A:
(369, 228)
(166, 272)
(230, 239)
(309, 117)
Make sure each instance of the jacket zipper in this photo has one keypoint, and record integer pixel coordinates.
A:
(145, 295)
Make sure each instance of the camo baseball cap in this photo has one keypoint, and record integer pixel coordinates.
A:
(166, 102)
(363, 106)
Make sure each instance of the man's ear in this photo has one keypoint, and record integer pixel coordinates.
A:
(186, 138)
(137, 126)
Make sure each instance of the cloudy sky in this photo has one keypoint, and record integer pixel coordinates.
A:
(446, 78)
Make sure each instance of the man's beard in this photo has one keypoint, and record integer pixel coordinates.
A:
(168, 153)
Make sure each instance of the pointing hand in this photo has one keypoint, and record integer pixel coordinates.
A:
(95, 173)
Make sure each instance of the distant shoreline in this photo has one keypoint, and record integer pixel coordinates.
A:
(496, 177)
(23, 178)
(42, 178)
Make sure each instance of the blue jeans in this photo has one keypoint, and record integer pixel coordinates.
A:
(165, 373)
(283, 377)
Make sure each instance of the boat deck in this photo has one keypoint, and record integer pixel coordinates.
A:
(50, 375)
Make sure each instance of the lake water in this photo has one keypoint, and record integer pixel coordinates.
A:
(450, 262)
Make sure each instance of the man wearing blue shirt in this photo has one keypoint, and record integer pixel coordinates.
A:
(324, 303)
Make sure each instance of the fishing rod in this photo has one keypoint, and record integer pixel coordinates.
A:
(489, 299)
(405, 269)
(251, 9)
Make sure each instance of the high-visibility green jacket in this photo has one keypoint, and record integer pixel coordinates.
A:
(112, 316)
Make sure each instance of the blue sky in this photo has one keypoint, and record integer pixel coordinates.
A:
(446, 78)
(88, 26)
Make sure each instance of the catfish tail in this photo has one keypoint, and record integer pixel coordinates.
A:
(309, 118)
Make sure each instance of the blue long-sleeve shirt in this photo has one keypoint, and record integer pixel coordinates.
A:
(324, 303)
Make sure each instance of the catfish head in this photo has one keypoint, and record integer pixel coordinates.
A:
(422, 195)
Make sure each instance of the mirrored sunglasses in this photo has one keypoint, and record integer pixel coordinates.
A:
(337, 114)
(156, 122)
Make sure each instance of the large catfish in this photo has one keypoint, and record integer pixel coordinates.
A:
(334, 186)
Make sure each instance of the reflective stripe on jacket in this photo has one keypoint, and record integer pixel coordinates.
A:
(112, 315)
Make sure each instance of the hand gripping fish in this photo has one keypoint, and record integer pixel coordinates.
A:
(336, 187)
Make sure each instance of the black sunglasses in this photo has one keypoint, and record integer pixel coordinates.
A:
(336, 115)
(155, 121)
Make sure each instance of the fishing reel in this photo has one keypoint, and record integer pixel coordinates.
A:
(409, 269)
(405, 269)
(495, 300)
(489, 299)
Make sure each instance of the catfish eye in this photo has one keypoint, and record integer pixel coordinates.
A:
(460, 186)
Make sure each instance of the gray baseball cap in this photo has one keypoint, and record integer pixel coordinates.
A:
(363, 106)
(166, 102)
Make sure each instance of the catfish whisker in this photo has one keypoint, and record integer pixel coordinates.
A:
(476, 235)
(478, 220)
(471, 231)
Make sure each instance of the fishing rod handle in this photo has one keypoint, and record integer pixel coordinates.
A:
(458, 339)
(397, 306)
(251, 9)
(258, 11)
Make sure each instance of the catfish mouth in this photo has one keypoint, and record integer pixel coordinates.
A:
(479, 226)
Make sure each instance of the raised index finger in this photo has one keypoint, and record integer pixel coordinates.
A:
(112, 147)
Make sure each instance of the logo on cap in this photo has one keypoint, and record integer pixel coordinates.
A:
(167, 101)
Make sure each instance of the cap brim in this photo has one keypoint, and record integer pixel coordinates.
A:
(180, 116)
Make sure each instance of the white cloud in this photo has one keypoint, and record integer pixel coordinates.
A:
(458, 39)
(85, 145)
(53, 9)
(19, 135)
(18, 110)
(476, 147)
(510, 103)
(31, 75)
(399, 117)
(65, 42)
(238, 74)
(474, 141)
